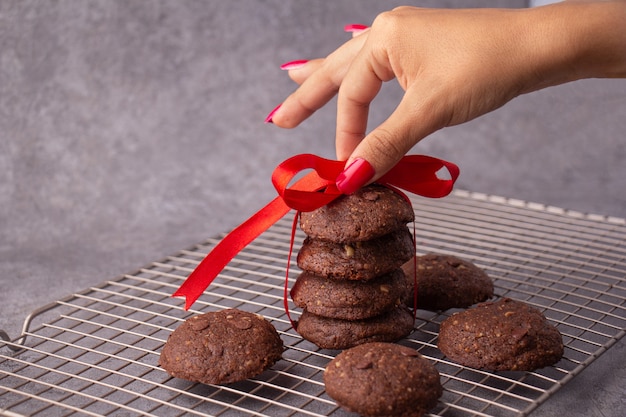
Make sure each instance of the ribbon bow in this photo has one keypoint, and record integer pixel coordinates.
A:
(417, 174)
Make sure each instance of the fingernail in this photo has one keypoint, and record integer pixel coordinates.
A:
(355, 176)
(355, 28)
(269, 117)
(293, 64)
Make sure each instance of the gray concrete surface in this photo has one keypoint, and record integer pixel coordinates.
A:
(130, 130)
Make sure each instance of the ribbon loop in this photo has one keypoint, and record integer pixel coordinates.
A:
(414, 173)
(418, 175)
(306, 195)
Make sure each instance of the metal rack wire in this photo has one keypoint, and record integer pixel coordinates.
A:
(96, 352)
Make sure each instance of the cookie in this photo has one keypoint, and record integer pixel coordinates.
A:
(383, 379)
(506, 335)
(348, 300)
(330, 333)
(359, 260)
(371, 212)
(221, 347)
(446, 281)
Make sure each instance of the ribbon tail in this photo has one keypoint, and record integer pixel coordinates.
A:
(227, 248)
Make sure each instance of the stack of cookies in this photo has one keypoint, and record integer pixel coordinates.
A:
(352, 284)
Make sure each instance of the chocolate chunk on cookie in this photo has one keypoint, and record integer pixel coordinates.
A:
(221, 347)
(348, 300)
(371, 212)
(359, 260)
(506, 335)
(446, 281)
(383, 379)
(330, 333)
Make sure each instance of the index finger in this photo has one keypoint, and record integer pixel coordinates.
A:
(319, 87)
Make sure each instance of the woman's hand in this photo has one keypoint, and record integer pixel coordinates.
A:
(454, 65)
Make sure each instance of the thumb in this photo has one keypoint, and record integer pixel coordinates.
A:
(383, 148)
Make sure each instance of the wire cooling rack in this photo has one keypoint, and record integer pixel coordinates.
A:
(96, 352)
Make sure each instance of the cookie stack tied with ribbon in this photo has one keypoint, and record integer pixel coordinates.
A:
(352, 285)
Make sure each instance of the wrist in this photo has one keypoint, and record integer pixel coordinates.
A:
(576, 40)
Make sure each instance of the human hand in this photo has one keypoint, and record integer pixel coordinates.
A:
(454, 65)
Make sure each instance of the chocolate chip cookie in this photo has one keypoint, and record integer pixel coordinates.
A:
(348, 300)
(330, 333)
(383, 379)
(446, 281)
(371, 212)
(221, 347)
(506, 335)
(358, 260)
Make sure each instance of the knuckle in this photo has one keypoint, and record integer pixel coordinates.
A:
(388, 32)
(402, 9)
(386, 20)
(391, 19)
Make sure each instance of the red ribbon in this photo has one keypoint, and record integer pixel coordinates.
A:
(417, 174)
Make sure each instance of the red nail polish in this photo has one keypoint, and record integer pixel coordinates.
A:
(293, 64)
(355, 28)
(355, 176)
(269, 117)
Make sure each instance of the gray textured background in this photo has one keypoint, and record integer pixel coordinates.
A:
(130, 130)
